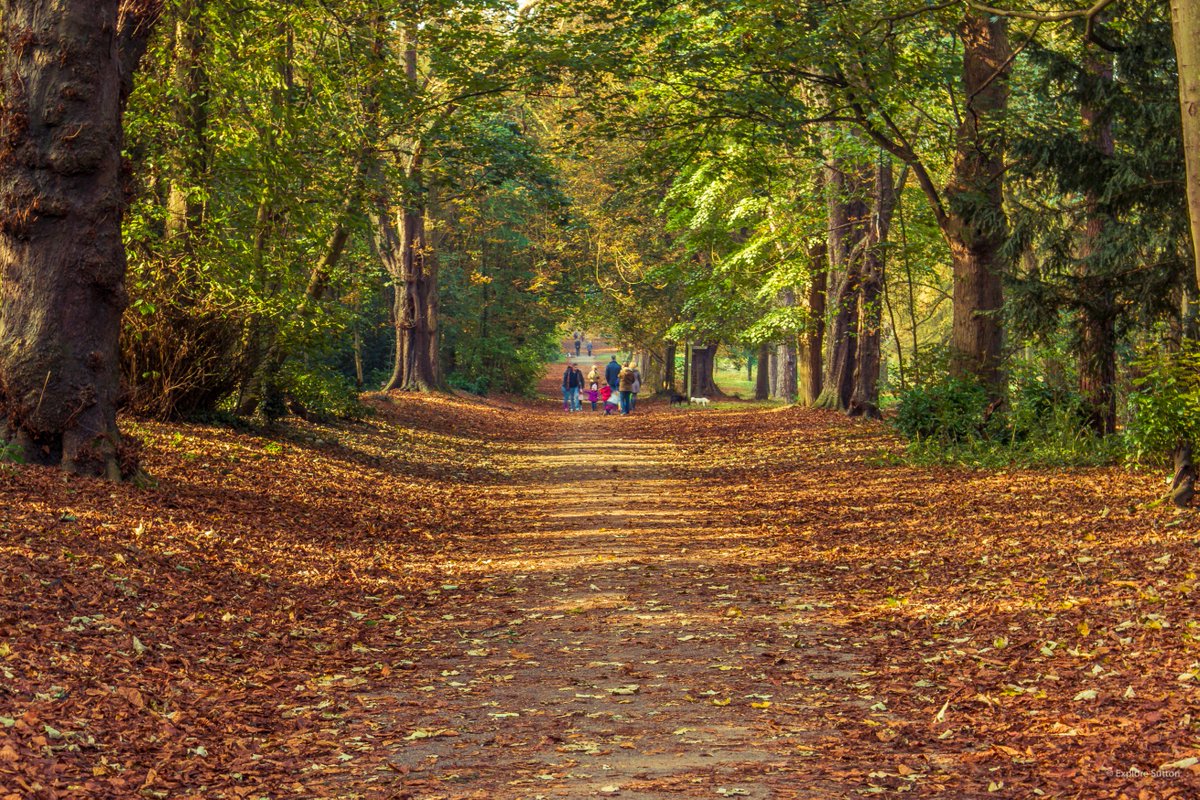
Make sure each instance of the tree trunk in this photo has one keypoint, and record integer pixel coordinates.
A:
(762, 386)
(668, 383)
(773, 372)
(865, 400)
(813, 341)
(1185, 28)
(787, 353)
(416, 367)
(687, 369)
(975, 225)
(847, 217)
(1097, 339)
(414, 274)
(189, 148)
(67, 73)
(704, 363)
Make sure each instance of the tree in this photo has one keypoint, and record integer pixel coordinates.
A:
(67, 74)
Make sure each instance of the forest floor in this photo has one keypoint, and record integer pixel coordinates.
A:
(470, 599)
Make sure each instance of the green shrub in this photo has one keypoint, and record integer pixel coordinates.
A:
(320, 392)
(11, 453)
(949, 411)
(1164, 407)
(947, 422)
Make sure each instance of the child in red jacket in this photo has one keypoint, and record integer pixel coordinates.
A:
(609, 397)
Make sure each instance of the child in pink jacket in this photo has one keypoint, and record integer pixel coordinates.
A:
(593, 395)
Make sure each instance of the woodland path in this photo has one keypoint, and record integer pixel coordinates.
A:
(458, 599)
(626, 647)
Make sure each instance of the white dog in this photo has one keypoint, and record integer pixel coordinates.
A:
(700, 401)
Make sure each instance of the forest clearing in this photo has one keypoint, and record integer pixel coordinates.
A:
(465, 599)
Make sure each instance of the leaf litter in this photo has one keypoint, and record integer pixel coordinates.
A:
(461, 599)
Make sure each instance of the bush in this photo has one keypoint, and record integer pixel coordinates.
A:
(947, 423)
(1164, 406)
(316, 391)
(949, 411)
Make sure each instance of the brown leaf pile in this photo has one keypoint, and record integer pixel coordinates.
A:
(272, 617)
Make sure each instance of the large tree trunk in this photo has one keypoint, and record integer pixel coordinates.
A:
(414, 273)
(66, 75)
(865, 400)
(813, 341)
(1097, 340)
(416, 309)
(762, 384)
(975, 226)
(847, 217)
(704, 363)
(1185, 27)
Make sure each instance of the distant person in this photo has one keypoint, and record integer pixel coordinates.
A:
(578, 344)
(610, 399)
(612, 373)
(593, 394)
(625, 380)
(635, 388)
(589, 348)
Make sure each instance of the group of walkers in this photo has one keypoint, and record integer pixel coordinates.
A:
(579, 342)
(617, 392)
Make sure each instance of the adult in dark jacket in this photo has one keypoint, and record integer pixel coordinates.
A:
(572, 382)
(612, 373)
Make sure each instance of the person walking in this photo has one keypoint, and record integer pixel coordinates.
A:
(578, 343)
(635, 388)
(593, 394)
(579, 384)
(625, 387)
(610, 399)
(566, 388)
(593, 375)
(572, 382)
(612, 373)
(589, 348)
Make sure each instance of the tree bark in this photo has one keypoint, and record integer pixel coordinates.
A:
(668, 384)
(762, 385)
(847, 218)
(1185, 28)
(813, 340)
(189, 147)
(415, 282)
(975, 225)
(1097, 335)
(65, 78)
(413, 271)
(704, 362)
(773, 372)
(865, 400)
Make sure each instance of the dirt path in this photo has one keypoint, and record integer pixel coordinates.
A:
(617, 654)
